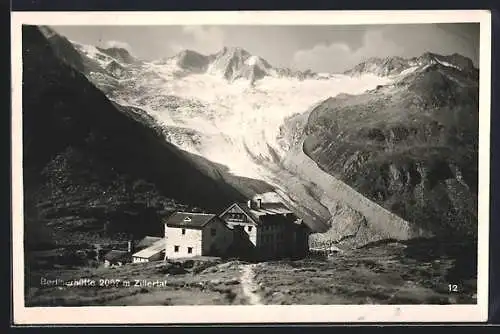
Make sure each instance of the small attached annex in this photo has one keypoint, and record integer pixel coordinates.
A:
(154, 252)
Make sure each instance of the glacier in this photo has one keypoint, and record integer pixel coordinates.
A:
(234, 123)
(239, 119)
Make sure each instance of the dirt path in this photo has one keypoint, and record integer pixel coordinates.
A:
(248, 284)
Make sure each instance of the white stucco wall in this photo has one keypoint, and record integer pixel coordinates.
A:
(174, 237)
(201, 241)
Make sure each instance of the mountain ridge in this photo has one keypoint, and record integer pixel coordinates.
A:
(410, 146)
(85, 166)
(394, 65)
(235, 63)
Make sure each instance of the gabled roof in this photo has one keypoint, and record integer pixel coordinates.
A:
(155, 248)
(189, 220)
(147, 241)
(266, 209)
(116, 255)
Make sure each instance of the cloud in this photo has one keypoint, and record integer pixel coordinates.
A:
(338, 57)
(202, 39)
(117, 44)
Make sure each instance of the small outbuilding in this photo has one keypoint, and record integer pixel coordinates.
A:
(116, 258)
(154, 252)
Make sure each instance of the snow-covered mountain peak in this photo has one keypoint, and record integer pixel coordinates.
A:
(454, 60)
(120, 54)
(258, 61)
(188, 53)
(236, 63)
(233, 51)
(390, 66)
(253, 60)
(191, 60)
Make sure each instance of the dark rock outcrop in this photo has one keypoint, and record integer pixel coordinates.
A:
(120, 54)
(192, 61)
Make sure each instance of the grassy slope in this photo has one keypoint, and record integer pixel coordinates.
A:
(207, 283)
(411, 272)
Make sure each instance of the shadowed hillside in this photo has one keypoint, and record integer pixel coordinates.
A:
(91, 167)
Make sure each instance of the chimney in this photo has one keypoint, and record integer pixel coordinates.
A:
(259, 203)
(249, 204)
(130, 246)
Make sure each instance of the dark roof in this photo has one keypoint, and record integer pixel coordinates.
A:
(189, 220)
(266, 209)
(116, 255)
(147, 241)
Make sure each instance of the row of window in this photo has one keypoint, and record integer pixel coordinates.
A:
(270, 237)
(249, 227)
(177, 248)
(264, 227)
(270, 227)
(236, 216)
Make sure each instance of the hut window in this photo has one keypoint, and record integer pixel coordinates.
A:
(190, 250)
(183, 231)
(250, 228)
(176, 249)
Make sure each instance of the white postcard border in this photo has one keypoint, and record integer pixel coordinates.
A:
(250, 314)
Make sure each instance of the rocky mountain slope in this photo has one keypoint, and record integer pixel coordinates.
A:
(398, 65)
(229, 124)
(410, 146)
(339, 149)
(92, 166)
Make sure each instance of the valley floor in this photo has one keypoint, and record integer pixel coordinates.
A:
(384, 273)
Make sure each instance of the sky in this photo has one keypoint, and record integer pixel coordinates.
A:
(321, 48)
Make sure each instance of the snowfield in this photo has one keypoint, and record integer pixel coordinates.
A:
(238, 121)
